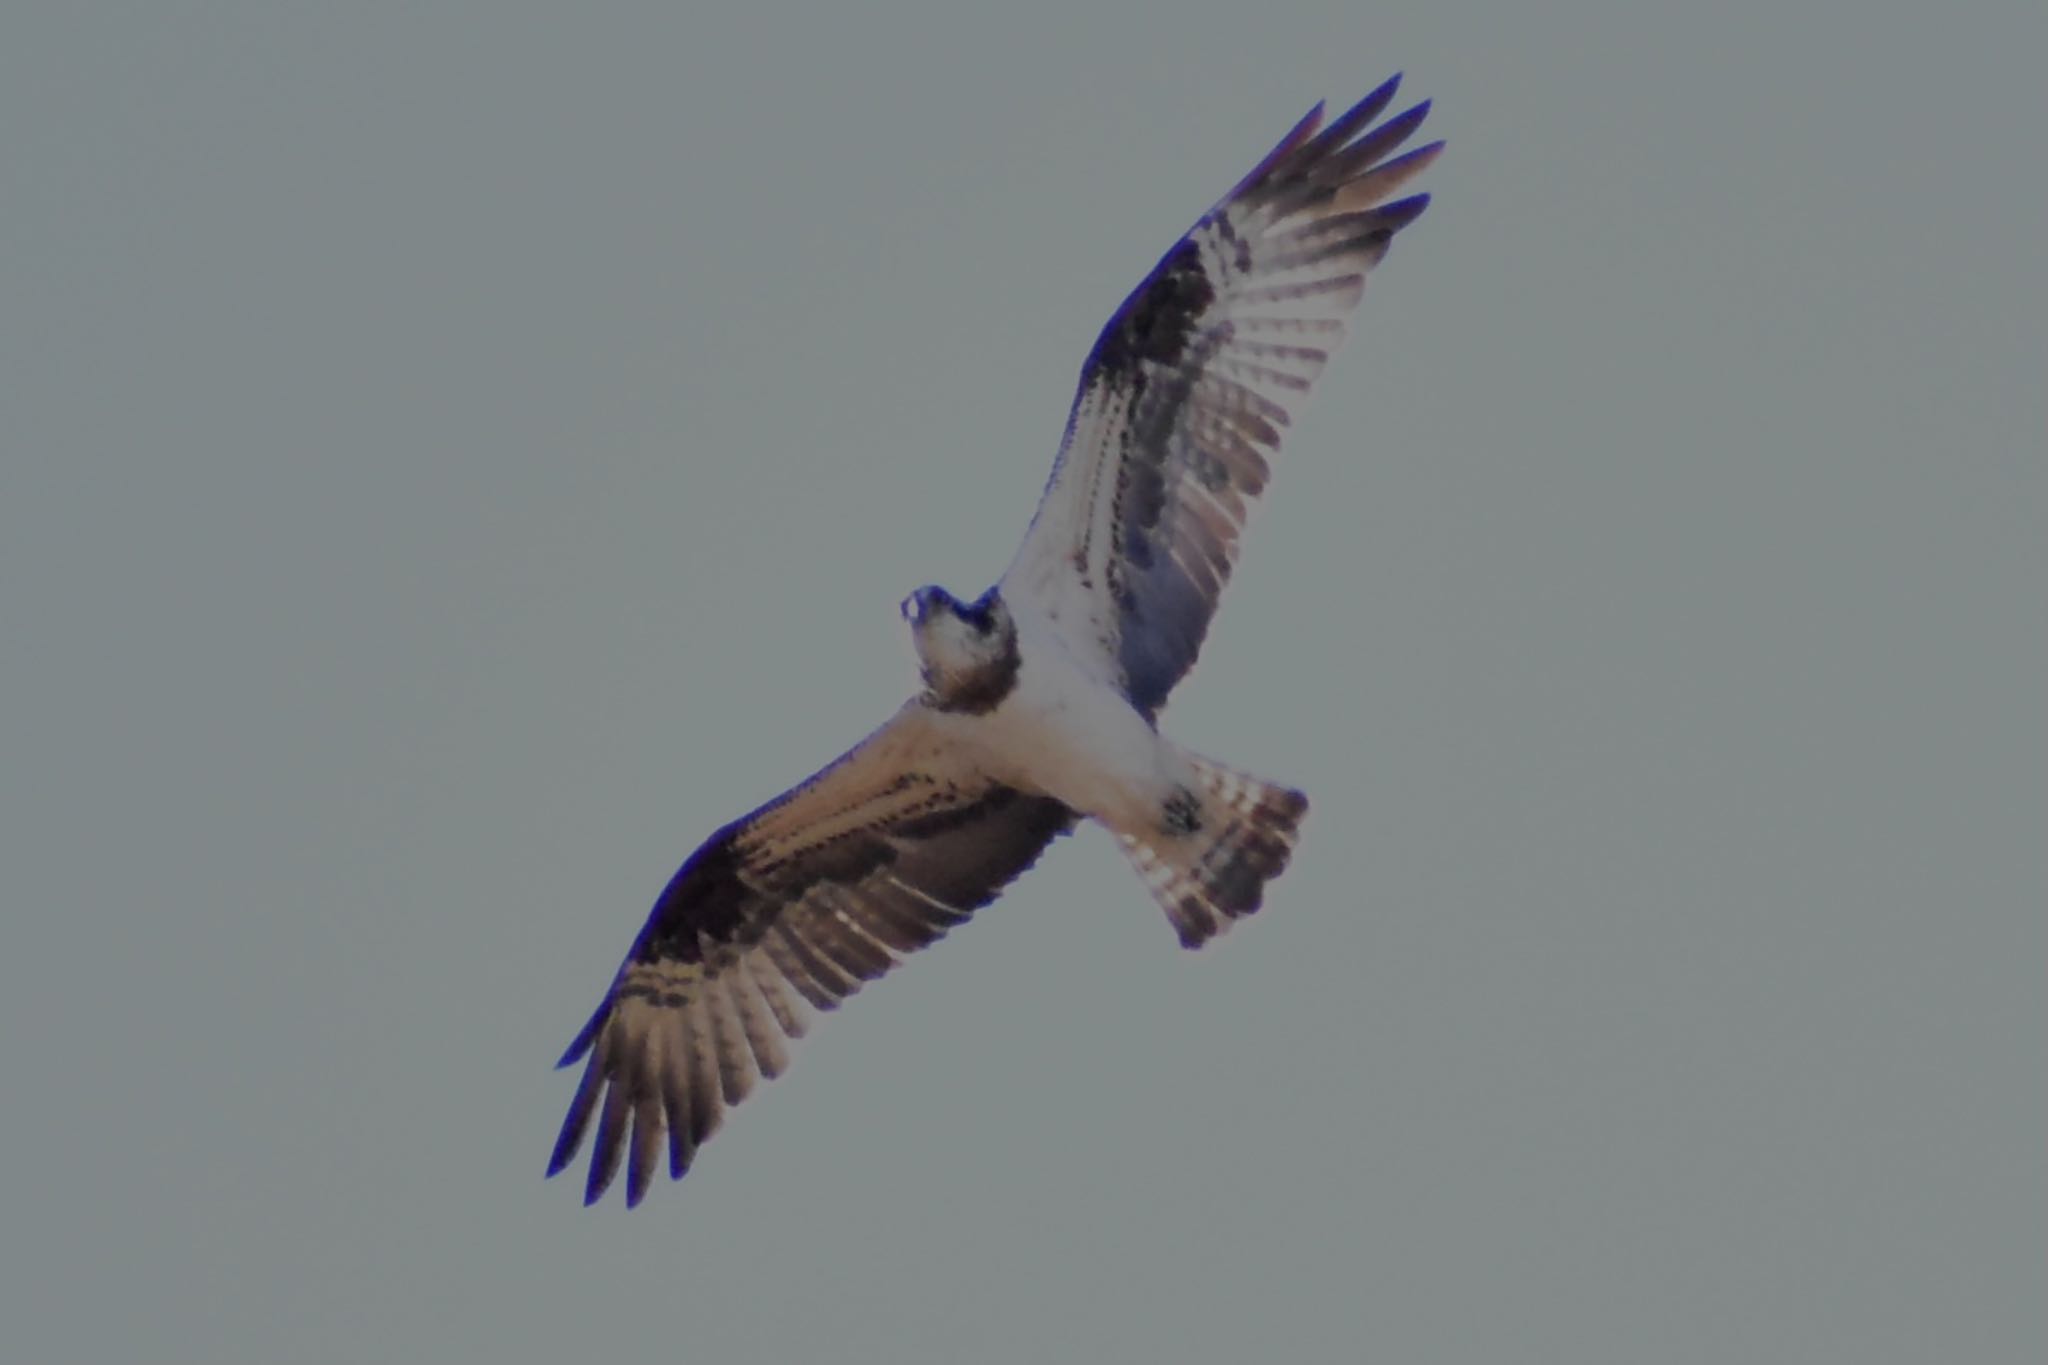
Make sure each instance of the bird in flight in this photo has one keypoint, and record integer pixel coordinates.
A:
(1040, 697)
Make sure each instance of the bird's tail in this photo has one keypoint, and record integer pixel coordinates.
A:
(1216, 845)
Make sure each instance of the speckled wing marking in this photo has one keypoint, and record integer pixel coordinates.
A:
(1188, 390)
(785, 911)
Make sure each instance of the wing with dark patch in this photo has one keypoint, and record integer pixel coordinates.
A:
(1185, 398)
(786, 911)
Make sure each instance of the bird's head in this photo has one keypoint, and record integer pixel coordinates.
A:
(967, 650)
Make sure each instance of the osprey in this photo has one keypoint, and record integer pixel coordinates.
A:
(1041, 697)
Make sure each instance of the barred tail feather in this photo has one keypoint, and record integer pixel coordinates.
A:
(1209, 859)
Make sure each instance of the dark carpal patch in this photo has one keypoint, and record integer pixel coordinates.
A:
(1181, 407)
(705, 900)
(1158, 318)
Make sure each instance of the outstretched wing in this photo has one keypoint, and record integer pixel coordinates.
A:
(1186, 394)
(794, 906)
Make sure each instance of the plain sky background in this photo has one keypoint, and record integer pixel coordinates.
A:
(452, 457)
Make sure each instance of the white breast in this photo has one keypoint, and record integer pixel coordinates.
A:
(1067, 733)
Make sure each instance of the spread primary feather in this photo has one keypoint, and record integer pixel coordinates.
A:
(1041, 697)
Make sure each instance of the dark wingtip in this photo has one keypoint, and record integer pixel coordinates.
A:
(564, 1153)
(1391, 218)
(1303, 132)
(576, 1123)
(570, 1140)
(600, 1180)
(587, 1037)
(1401, 126)
(1377, 99)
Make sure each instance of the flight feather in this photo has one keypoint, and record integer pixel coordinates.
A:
(1189, 390)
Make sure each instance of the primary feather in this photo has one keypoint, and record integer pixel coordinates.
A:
(1041, 696)
(1190, 388)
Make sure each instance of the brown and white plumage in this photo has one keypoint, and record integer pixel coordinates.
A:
(1191, 387)
(1040, 698)
(787, 910)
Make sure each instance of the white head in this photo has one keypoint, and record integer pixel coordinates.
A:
(967, 651)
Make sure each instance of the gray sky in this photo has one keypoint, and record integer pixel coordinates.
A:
(457, 456)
